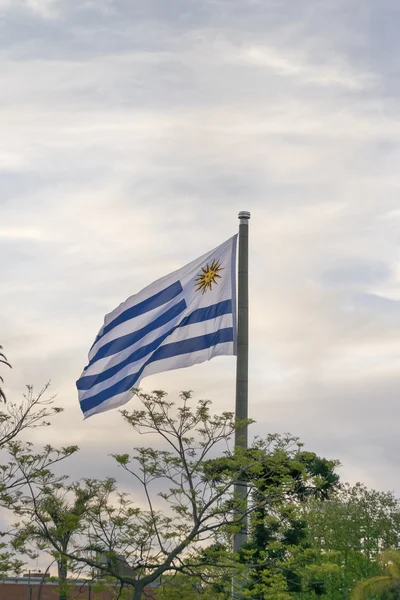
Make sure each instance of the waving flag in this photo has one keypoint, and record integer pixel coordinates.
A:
(182, 319)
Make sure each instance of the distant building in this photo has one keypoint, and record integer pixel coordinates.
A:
(27, 588)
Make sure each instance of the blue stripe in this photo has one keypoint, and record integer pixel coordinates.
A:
(88, 381)
(193, 344)
(169, 350)
(201, 314)
(207, 313)
(143, 307)
(129, 339)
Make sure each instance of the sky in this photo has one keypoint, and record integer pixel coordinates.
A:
(133, 132)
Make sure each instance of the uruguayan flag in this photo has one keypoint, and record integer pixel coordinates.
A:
(185, 318)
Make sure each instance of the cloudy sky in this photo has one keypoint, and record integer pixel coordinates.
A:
(133, 132)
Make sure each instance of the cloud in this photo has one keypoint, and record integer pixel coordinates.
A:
(45, 9)
(305, 72)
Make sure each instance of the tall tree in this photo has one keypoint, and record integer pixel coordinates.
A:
(63, 509)
(383, 586)
(279, 559)
(356, 524)
(35, 410)
(287, 478)
(187, 505)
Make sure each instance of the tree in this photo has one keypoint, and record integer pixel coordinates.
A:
(187, 505)
(62, 508)
(4, 361)
(279, 559)
(35, 410)
(282, 562)
(355, 524)
(381, 586)
(192, 588)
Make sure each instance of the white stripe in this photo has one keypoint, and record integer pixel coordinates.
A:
(180, 334)
(186, 360)
(134, 324)
(111, 403)
(109, 361)
(199, 329)
(168, 364)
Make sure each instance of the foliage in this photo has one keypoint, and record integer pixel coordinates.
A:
(35, 410)
(187, 506)
(8, 561)
(356, 524)
(309, 536)
(3, 361)
(381, 586)
(279, 560)
(190, 588)
(62, 508)
(279, 545)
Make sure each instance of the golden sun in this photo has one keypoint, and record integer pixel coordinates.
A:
(208, 277)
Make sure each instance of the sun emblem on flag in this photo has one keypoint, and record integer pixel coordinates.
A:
(208, 276)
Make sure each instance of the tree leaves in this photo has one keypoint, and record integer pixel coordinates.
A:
(4, 361)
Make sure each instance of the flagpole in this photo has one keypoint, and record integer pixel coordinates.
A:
(242, 365)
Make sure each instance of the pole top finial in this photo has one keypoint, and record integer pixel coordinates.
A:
(244, 216)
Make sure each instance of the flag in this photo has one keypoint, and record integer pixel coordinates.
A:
(182, 319)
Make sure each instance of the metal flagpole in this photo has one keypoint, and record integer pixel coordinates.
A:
(242, 365)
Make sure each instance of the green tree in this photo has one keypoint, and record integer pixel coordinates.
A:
(57, 513)
(33, 411)
(355, 524)
(383, 586)
(193, 588)
(187, 506)
(282, 562)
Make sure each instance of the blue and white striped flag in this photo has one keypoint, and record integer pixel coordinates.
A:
(182, 319)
